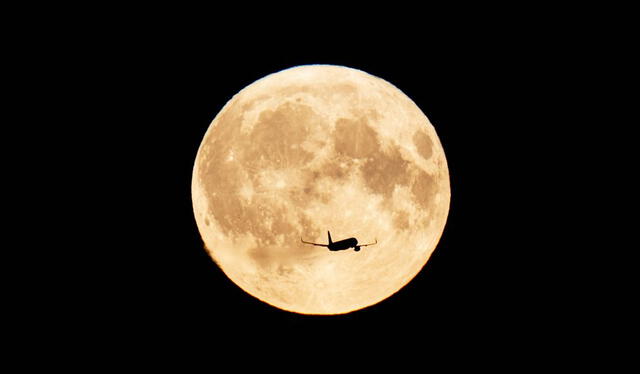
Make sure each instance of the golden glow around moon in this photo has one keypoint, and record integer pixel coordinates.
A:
(311, 149)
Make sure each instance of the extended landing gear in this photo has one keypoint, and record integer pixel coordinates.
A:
(356, 249)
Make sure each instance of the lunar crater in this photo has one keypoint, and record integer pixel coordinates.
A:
(423, 144)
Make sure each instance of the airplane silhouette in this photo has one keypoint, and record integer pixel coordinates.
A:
(342, 244)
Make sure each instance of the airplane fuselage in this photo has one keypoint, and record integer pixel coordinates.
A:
(340, 245)
(343, 244)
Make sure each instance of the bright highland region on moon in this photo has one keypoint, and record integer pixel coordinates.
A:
(314, 149)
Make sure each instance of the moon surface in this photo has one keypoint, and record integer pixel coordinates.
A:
(312, 149)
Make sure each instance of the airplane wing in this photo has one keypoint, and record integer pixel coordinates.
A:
(364, 245)
(319, 245)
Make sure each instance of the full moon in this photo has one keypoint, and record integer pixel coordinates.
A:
(313, 149)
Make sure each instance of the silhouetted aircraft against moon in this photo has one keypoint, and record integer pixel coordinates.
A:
(342, 244)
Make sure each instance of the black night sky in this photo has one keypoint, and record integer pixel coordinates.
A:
(475, 277)
(145, 278)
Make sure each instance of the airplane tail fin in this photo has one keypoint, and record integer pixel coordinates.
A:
(329, 234)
